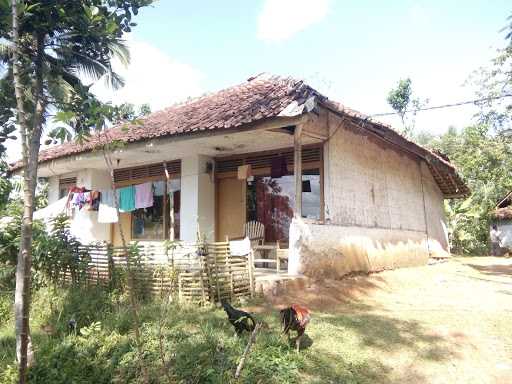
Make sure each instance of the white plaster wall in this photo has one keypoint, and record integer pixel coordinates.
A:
(85, 224)
(505, 227)
(53, 189)
(197, 199)
(436, 218)
(379, 206)
(334, 250)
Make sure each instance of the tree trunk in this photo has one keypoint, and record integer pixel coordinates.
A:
(30, 150)
(134, 304)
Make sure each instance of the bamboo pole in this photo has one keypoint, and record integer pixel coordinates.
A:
(246, 351)
(297, 169)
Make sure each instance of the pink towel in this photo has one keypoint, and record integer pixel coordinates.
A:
(144, 195)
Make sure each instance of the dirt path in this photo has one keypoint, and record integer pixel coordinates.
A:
(445, 323)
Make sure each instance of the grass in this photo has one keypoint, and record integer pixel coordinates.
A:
(200, 346)
(443, 323)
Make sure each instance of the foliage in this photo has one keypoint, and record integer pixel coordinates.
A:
(60, 252)
(403, 102)
(5, 185)
(485, 161)
(200, 343)
(10, 232)
(51, 49)
(53, 252)
(493, 83)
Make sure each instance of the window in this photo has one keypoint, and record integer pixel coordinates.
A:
(65, 185)
(271, 202)
(162, 220)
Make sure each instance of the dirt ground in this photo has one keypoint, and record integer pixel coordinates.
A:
(449, 322)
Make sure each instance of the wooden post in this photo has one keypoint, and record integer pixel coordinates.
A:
(297, 169)
(180, 290)
(252, 339)
(250, 267)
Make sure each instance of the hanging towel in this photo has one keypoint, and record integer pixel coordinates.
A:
(159, 187)
(173, 185)
(95, 200)
(144, 195)
(126, 197)
(107, 214)
(106, 211)
(107, 197)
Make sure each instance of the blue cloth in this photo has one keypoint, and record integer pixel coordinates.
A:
(126, 199)
(159, 188)
(107, 197)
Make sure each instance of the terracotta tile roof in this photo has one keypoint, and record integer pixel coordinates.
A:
(505, 201)
(262, 97)
(503, 213)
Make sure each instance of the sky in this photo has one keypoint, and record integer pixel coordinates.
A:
(353, 52)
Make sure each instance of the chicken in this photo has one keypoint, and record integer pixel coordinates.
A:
(242, 321)
(295, 318)
(72, 325)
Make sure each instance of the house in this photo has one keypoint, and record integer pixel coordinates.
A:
(368, 198)
(503, 220)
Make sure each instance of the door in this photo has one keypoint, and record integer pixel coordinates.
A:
(231, 208)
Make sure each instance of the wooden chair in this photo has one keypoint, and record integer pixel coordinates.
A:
(281, 256)
(255, 231)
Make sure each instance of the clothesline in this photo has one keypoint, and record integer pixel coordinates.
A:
(129, 198)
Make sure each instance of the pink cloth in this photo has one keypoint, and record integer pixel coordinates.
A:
(144, 195)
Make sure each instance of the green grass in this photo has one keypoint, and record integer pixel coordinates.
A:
(200, 346)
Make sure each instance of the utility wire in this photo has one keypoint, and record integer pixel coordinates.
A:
(446, 105)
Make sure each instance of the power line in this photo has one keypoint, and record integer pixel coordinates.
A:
(446, 105)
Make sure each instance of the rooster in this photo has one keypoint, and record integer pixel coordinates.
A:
(242, 321)
(295, 318)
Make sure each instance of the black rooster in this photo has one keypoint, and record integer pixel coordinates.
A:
(295, 318)
(242, 321)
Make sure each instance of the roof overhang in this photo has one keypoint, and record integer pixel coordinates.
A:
(269, 135)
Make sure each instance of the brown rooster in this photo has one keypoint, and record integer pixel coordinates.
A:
(295, 318)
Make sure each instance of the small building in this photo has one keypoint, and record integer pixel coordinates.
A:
(503, 220)
(341, 191)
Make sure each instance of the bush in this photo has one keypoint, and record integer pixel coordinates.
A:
(198, 343)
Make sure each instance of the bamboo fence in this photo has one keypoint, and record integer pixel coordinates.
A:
(196, 273)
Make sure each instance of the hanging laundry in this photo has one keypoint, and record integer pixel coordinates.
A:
(95, 200)
(138, 226)
(278, 167)
(159, 188)
(126, 198)
(144, 195)
(80, 199)
(106, 211)
(86, 199)
(173, 185)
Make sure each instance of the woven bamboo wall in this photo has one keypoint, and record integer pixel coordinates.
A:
(200, 273)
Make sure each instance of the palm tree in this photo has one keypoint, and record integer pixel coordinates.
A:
(48, 50)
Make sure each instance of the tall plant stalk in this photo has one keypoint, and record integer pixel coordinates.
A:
(134, 303)
(30, 132)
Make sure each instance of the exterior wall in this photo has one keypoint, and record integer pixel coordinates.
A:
(125, 220)
(85, 224)
(53, 189)
(197, 199)
(436, 219)
(379, 206)
(505, 227)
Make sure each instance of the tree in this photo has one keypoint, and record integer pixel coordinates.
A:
(46, 47)
(495, 85)
(484, 160)
(403, 102)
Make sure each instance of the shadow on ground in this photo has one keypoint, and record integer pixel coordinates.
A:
(493, 270)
